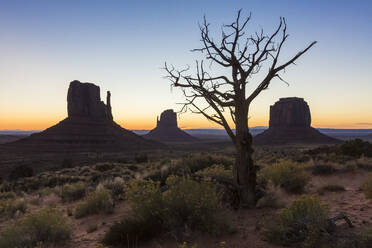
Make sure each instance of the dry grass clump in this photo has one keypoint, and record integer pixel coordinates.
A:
(99, 201)
(45, 227)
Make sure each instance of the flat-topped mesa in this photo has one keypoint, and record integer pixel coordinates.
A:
(168, 119)
(167, 130)
(290, 123)
(84, 100)
(290, 112)
(88, 127)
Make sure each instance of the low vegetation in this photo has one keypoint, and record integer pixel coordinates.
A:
(367, 187)
(356, 148)
(9, 207)
(73, 192)
(331, 188)
(286, 174)
(99, 201)
(45, 227)
(187, 205)
(304, 222)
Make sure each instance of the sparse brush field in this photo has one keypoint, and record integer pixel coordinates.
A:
(174, 200)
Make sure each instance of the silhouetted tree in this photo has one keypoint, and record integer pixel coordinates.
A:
(217, 97)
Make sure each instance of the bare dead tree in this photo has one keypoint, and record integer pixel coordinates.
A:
(221, 98)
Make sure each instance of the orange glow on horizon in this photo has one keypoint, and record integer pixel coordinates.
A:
(147, 124)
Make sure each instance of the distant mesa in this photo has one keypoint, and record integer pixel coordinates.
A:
(167, 130)
(290, 123)
(88, 127)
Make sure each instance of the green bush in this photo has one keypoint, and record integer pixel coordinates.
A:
(46, 226)
(187, 205)
(291, 176)
(99, 201)
(367, 187)
(73, 192)
(304, 222)
(356, 148)
(9, 207)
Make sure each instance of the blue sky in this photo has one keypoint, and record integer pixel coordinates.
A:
(121, 46)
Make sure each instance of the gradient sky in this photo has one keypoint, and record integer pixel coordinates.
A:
(122, 45)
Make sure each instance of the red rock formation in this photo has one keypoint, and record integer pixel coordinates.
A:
(88, 127)
(167, 130)
(290, 121)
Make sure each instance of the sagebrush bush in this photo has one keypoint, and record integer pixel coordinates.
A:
(304, 222)
(9, 207)
(99, 201)
(191, 164)
(73, 192)
(116, 187)
(187, 204)
(367, 187)
(47, 226)
(291, 176)
(217, 170)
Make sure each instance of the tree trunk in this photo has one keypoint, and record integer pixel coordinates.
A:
(244, 171)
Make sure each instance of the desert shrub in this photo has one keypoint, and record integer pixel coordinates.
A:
(304, 222)
(322, 169)
(291, 176)
(141, 158)
(191, 164)
(116, 187)
(364, 163)
(367, 187)
(192, 203)
(356, 148)
(271, 198)
(104, 167)
(217, 170)
(21, 172)
(46, 226)
(99, 201)
(9, 207)
(73, 192)
(187, 204)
